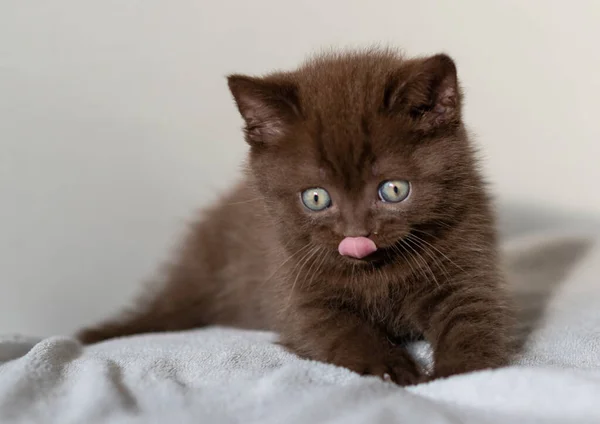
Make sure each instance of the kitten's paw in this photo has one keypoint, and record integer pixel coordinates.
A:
(399, 375)
(400, 370)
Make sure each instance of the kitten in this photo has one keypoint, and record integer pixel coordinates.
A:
(362, 220)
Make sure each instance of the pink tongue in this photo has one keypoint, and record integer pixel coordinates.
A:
(356, 247)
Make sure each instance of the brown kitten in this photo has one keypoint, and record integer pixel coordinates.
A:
(361, 219)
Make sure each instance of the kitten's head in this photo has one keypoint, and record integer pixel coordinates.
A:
(366, 147)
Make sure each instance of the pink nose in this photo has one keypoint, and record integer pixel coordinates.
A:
(356, 247)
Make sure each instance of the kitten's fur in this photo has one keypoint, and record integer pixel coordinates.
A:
(260, 259)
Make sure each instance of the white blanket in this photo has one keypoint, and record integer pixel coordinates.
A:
(220, 375)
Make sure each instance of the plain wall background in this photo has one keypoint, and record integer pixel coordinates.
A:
(115, 121)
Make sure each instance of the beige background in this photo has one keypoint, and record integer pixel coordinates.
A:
(115, 121)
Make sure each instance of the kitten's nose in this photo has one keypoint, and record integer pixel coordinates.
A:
(362, 233)
(356, 231)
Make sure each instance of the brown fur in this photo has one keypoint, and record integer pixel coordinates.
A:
(260, 259)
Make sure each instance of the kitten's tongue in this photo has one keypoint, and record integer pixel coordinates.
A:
(356, 247)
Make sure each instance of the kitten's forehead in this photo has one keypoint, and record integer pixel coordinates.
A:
(349, 158)
(346, 87)
(355, 161)
(341, 97)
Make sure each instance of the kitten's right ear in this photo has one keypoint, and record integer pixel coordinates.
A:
(268, 106)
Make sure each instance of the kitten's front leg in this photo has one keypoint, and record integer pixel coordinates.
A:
(468, 326)
(343, 339)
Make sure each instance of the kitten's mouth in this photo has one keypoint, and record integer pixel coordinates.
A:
(364, 251)
(361, 250)
(371, 259)
(357, 247)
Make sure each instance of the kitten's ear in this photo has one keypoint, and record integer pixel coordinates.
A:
(268, 106)
(428, 91)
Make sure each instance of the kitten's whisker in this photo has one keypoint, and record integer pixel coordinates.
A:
(318, 270)
(303, 262)
(306, 253)
(287, 260)
(313, 262)
(420, 259)
(437, 250)
(405, 257)
(472, 246)
(311, 259)
(425, 262)
(435, 260)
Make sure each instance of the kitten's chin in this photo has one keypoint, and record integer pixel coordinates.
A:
(372, 259)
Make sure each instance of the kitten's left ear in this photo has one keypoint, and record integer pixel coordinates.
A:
(428, 91)
(268, 105)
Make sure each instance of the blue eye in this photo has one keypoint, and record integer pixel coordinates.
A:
(394, 191)
(316, 199)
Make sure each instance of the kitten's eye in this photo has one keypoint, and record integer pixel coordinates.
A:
(394, 191)
(316, 199)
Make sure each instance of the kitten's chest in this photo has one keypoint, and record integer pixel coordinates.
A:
(394, 314)
(384, 304)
